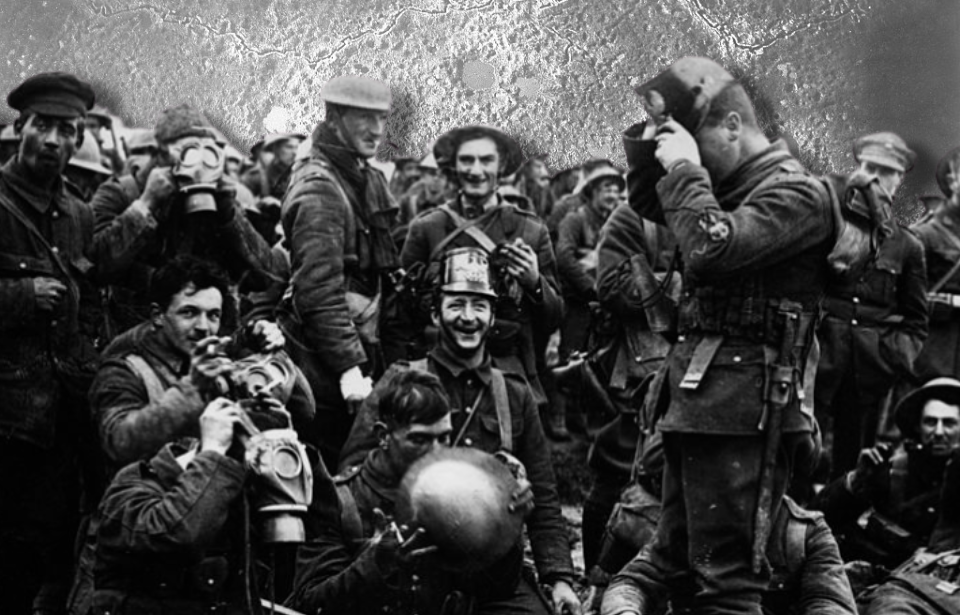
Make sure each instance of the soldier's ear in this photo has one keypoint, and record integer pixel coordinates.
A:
(380, 431)
(156, 315)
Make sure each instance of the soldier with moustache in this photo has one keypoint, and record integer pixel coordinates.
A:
(49, 307)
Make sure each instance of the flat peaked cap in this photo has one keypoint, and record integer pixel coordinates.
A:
(357, 91)
(685, 91)
(56, 94)
(182, 121)
(886, 149)
(948, 166)
(445, 149)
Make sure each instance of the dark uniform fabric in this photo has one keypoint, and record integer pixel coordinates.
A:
(633, 258)
(341, 572)
(753, 246)
(336, 220)
(172, 540)
(907, 492)
(872, 331)
(46, 362)
(939, 232)
(545, 525)
(522, 327)
(807, 575)
(143, 243)
(576, 248)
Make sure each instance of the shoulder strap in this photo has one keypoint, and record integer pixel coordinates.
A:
(956, 266)
(420, 364)
(349, 514)
(899, 467)
(464, 226)
(795, 551)
(151, 380)
(502, 403)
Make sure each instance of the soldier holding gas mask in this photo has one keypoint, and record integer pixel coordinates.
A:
(175, 534)
(181, 202)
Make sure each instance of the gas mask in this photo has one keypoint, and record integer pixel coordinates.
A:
(198, 166)
(283, 487)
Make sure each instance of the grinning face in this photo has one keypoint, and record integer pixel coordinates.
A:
(464, 320)
(363, 129)
(940, 428)
(47, 143)
(605, 197)
(478, 168)
(191, 316)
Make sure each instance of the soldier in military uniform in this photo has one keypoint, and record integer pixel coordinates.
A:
(529, 306)
(754, 230)
(874, 323)
(903, 486)
(493, 410)
(939, 231)
(337, 217)
(807, 573)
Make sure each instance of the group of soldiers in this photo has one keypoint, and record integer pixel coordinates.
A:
(284, 383)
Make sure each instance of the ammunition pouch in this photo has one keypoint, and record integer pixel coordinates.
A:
(757, 320)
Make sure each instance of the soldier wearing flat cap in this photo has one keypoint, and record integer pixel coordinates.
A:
(754, 230)
(337, 217)
(47, 361)
(939, 232)
(180, 202)
(529, 308)
(901, 486)
(875, 322)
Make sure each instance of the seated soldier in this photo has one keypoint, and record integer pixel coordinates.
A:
(175, 536)
(492, 411)
(901, 490)
(929, 582)
(360, 563)
(155, 380)
(807, 573)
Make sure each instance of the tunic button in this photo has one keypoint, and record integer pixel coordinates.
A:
(737, 359)
(23, 265)
(467, 442)
(56, 214)
(53, 323)
(856, 299)
(55, 250)
(854, 322)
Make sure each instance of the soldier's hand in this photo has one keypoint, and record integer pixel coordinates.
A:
(208, 363)
(268, 336)
(521, 264)
(160, 187)
(354, 386)
(393, 548)
(565, 600)
(870, 463)
(48, 293)
(217, 423)
(675, 143)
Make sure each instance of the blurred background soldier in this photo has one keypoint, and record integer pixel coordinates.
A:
(270, 177)
(85, 171)
(49, 307)
(875, 321)
(181, 203)
(939, 231)
(9, 143)
(406, 172)
(337, 217)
